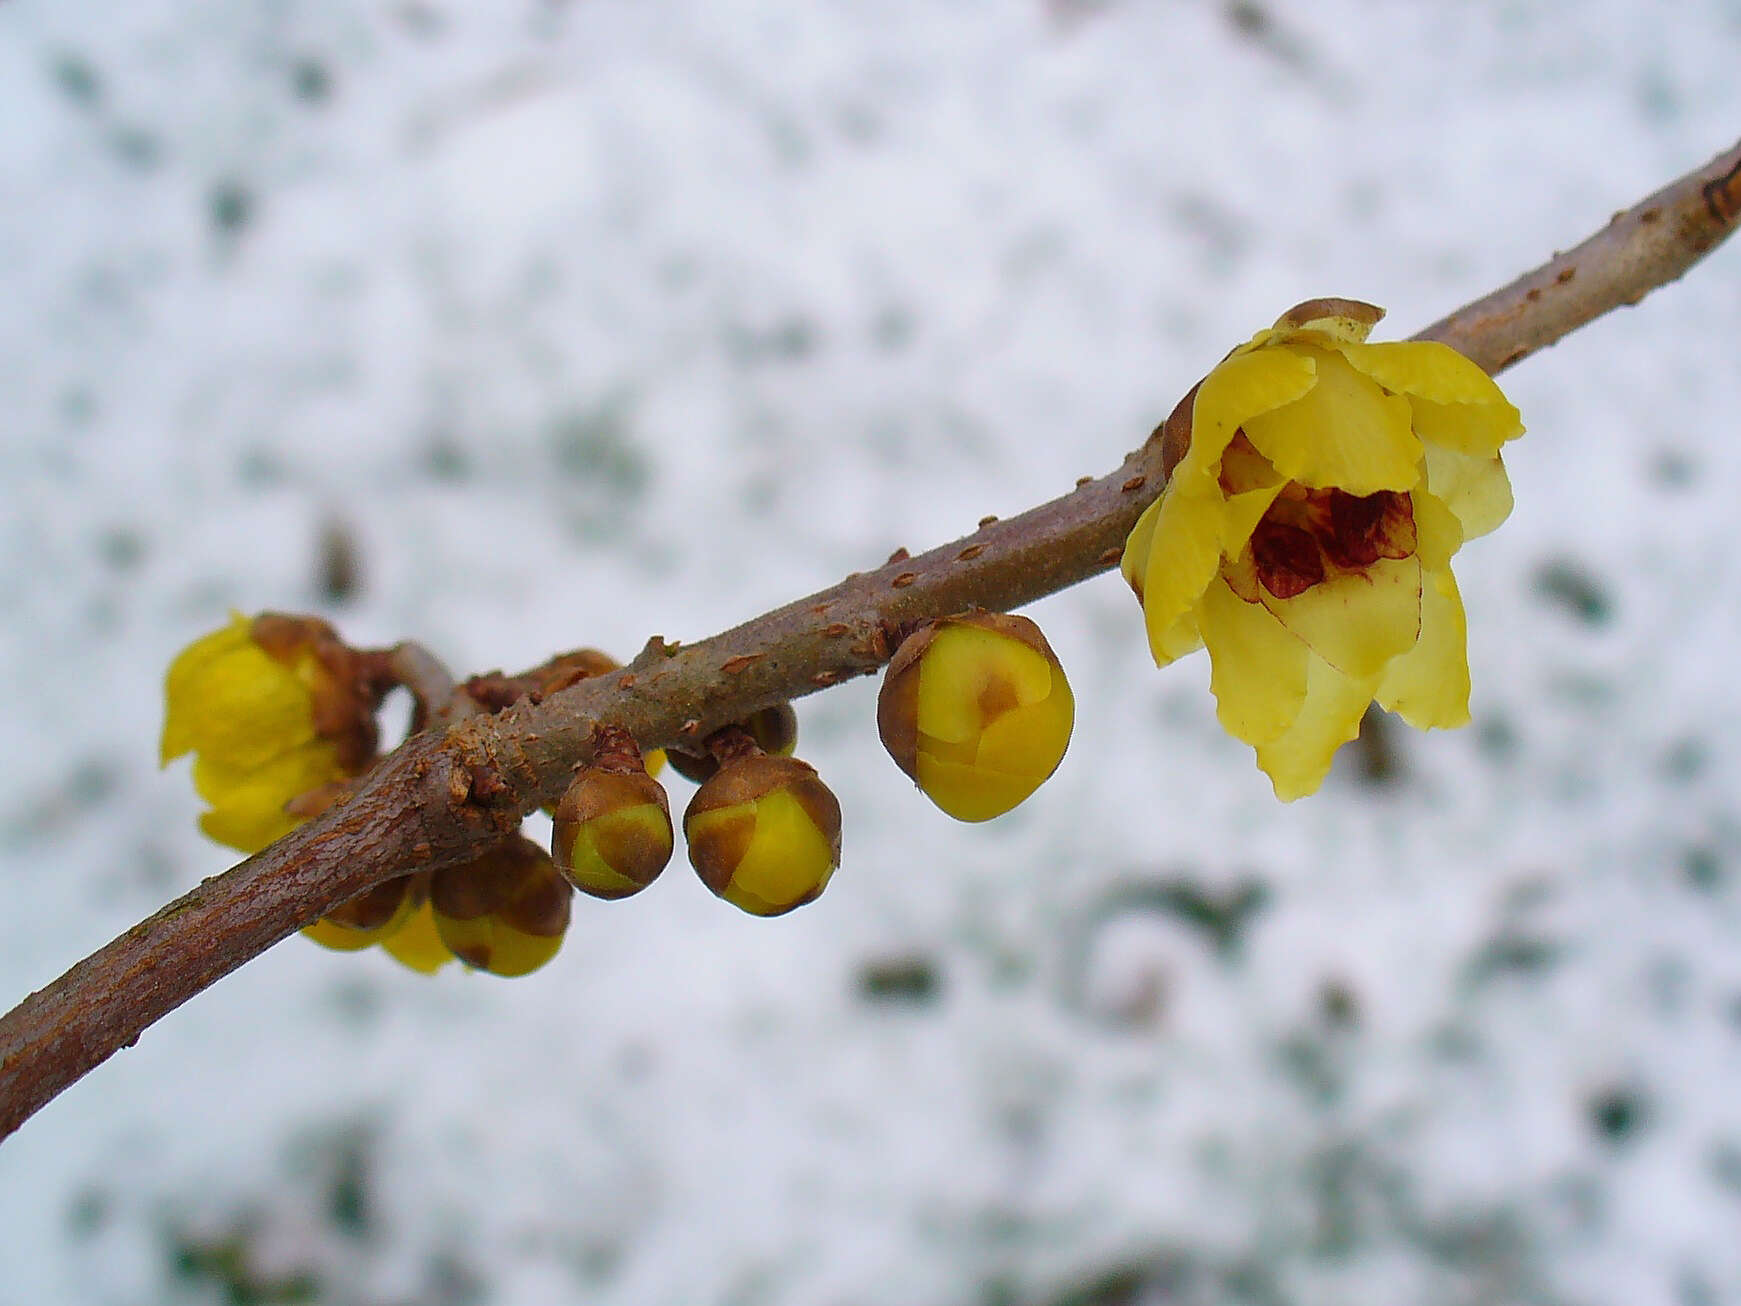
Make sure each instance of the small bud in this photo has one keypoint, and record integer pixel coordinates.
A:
(613, 832)
(773, 729)
(506, 912)
(370, 917)
(571, 668)
(764, 834)
(976, 709)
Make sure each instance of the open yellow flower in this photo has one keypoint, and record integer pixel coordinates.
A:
(267, 720)
(1318, 488)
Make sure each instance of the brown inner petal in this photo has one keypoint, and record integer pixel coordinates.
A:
(1363, 529)
(1287, 558)
(1309, 535)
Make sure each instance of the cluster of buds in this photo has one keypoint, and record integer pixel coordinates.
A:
(763, 831)
(281, 717)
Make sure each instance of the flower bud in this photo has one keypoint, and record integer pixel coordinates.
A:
(416, 944)
(613, 832)
(774, 730)
(506, 912)
(764, 834)
(370, 917)
(976, 709)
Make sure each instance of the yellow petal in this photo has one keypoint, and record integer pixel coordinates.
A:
(1477, 490)
(248, 803)
(788, 861)
(1357, 622)
(1240, 388)
(490, 944)
(630, 829)
(968, 793)
(1177, 640)
(1244, 468)
(246, 827)
(280, 779)
(338, 938)
(1438, 533)
(1241, 513)
(1454, 402)
(1344, 433)
(961, 665)
(242, 709)
(1428, 370)
(515, 952)
(186, 673)
(1298, 760)
(1429, 685)
(1184, 554)
(1133, 565)
(416, 943)
(1257, 670)
(1477, 429)
(1030, 740)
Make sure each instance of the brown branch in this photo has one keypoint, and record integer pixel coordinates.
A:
(442, 797)
(1649, 245)
(434, 694)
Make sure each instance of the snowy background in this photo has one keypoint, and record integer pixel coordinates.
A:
(559, 323)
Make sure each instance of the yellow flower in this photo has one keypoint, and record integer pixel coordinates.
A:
(249, 701)
(1320, 486)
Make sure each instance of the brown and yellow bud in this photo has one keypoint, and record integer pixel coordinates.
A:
(976, 709)
(370, 917)
(506, 912)
(764, 834)
(774, 730)
(613, 832)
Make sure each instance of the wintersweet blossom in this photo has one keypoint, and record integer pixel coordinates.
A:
(267, 720)
(1317, 488)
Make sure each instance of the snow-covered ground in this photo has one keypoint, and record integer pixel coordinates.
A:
(582, 321)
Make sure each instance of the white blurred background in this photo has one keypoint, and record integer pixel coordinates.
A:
(519, 324)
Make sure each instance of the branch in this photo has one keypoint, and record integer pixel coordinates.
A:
(1651, 244)
(446, 794)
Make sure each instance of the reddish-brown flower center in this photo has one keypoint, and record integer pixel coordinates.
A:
(1308, 536)
(1287, 558)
